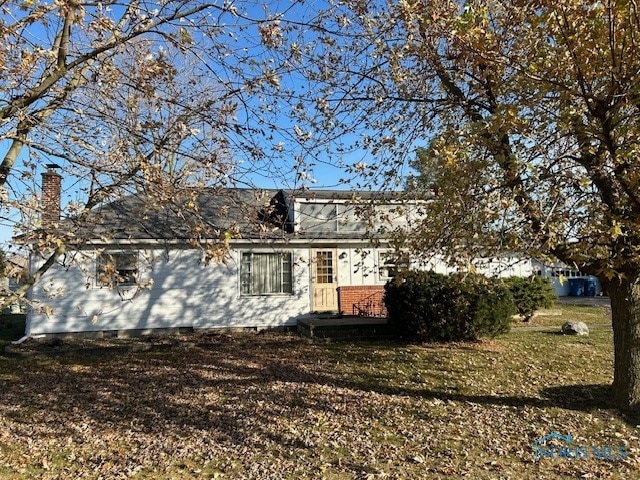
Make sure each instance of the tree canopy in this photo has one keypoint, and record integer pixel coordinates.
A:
(144, 97)
(128, 95)
(526, 114)
(528, 118)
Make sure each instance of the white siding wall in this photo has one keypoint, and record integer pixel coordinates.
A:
(505, 267)
(184, 292)
(560, 276)
(356, 266)
(360, 266)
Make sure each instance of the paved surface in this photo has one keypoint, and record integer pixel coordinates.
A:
(590, 301)
(599, 301)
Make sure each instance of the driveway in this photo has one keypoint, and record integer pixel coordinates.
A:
(595, 301)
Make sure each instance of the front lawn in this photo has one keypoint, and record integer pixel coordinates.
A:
(271, 406)
(594, 316)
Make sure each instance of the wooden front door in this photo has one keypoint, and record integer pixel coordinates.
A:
(324, 281)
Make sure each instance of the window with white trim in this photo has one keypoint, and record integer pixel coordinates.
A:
(352, 218)
(116, 268)
(390, 263)
(266, 273)
(318, 217)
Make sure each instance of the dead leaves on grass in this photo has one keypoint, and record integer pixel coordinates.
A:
(275, 406)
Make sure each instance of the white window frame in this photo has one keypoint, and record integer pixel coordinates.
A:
(247, 286)
(117, 279)
(385, 265)
(567, 273)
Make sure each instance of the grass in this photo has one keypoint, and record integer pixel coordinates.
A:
(593, 316)
(277, 406)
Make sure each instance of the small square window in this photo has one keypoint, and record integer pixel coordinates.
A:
(391, 263)
(117, 269)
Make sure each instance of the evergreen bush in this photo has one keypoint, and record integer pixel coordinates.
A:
(427, 306)
(530, 294)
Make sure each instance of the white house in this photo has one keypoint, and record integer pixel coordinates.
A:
(290, 257)
(294, 254)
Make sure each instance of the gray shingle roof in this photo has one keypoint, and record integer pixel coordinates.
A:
(251, 213)
(215, 211)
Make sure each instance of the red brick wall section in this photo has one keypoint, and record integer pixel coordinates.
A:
(368, 296)
(51, 182)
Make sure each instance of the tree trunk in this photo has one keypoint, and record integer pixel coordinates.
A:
(625, 312)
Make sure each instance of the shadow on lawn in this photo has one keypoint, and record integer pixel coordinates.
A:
(572, 397)
(586, 398)
(237, 389)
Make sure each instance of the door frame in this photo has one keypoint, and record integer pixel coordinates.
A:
(314, 283)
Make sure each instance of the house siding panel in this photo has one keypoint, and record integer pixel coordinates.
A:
(183, 292)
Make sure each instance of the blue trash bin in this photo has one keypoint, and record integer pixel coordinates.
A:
(576, 287)
(590, 286)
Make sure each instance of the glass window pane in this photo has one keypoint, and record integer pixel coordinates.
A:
(390, 263)
(324, 267)
(318, 217)
(352, 219)
(265, 273)
(117, 268)
(245, 274)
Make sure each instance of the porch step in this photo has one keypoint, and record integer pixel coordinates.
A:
(345, 327)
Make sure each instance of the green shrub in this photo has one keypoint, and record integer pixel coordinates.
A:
(530, 294)
(426, 306)
(413, 296)
(490, 305)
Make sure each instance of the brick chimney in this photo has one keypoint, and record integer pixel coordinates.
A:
(51, 189)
